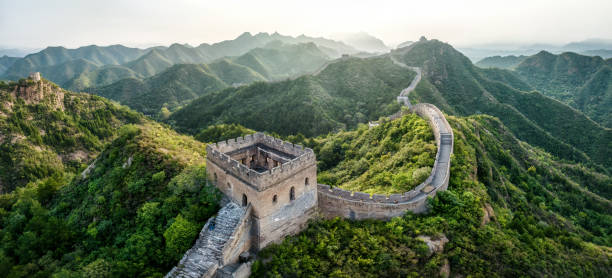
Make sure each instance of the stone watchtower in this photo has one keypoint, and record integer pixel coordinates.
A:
(278, 179)
(35, 76)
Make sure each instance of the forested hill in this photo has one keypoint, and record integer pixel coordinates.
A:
(454, 84)
(48, 60)
(164, 92)
(347, 92)
(583, 82)
(93, 66)
(46, 131)
(101, 191)
(510, 210)
(169, 89)
(505, 62)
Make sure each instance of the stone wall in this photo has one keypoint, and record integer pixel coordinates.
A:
(336, 202)
(240, 240)
(288, 219)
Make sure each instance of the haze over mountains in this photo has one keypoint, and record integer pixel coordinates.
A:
(94, 66)
(591, 47)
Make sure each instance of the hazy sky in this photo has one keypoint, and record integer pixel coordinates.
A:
(72, 23)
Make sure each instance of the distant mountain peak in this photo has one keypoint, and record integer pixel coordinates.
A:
(244, 35)
(363, 42)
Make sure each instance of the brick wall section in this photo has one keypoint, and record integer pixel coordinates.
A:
(358, 205)
(239, 241)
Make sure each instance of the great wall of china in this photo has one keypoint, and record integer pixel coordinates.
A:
(272, 208)
(358, 205)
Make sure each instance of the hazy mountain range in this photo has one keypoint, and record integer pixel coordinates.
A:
(94, 65)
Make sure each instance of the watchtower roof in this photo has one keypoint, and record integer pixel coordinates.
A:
(260, 160)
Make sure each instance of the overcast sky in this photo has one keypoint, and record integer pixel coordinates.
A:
(73, 23)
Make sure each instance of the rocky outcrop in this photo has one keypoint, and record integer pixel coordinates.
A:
(34, 92)
(489, 214)
(434, 245)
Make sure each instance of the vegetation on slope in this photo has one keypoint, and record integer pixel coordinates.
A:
(46, 131)
(222, 132)
(132, 214)
(170, 89)
(583, 82)
(278, 61)
(453, 84)
(6, 62)
(505, 62)
(54, 57)
(94, 66)
(165, 92)
(393, 157)
(346, 93)
(541, 221)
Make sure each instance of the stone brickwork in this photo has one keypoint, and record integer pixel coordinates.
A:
(35, 76)
(210, 249)
(276, 177)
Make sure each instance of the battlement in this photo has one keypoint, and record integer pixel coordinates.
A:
(295, 158)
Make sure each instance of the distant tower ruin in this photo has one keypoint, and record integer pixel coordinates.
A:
(278, 179)
(35, 76)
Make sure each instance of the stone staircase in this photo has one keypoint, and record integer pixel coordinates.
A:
(202, 260)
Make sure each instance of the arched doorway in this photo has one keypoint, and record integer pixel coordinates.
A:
(245, 201)
(292, 194)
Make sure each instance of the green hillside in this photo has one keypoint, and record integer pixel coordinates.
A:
(582, 82)
(169, 89)
(52, 56)
(453, 84)
(393, 157)
(510, 210)
(133, 213)
(234, 74)
(347, 92)
(47, 131)
(278, 61)
(90, 188)
(222, 132)
(60, 64)
(150, 64)
(501, 62)
(6, 62)
(507, 77)
(100, 77)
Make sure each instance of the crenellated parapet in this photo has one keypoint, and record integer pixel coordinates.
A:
(301, 157)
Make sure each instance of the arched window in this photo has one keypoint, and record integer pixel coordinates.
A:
(292, 194)
(274, 199)
(229, 186)
(215, 180)
(244, 200)
(306, 182)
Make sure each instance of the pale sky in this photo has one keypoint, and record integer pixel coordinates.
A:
(73, 23)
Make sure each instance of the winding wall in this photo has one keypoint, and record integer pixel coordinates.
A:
(336, 202)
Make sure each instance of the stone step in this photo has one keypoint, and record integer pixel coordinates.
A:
(208, 247)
